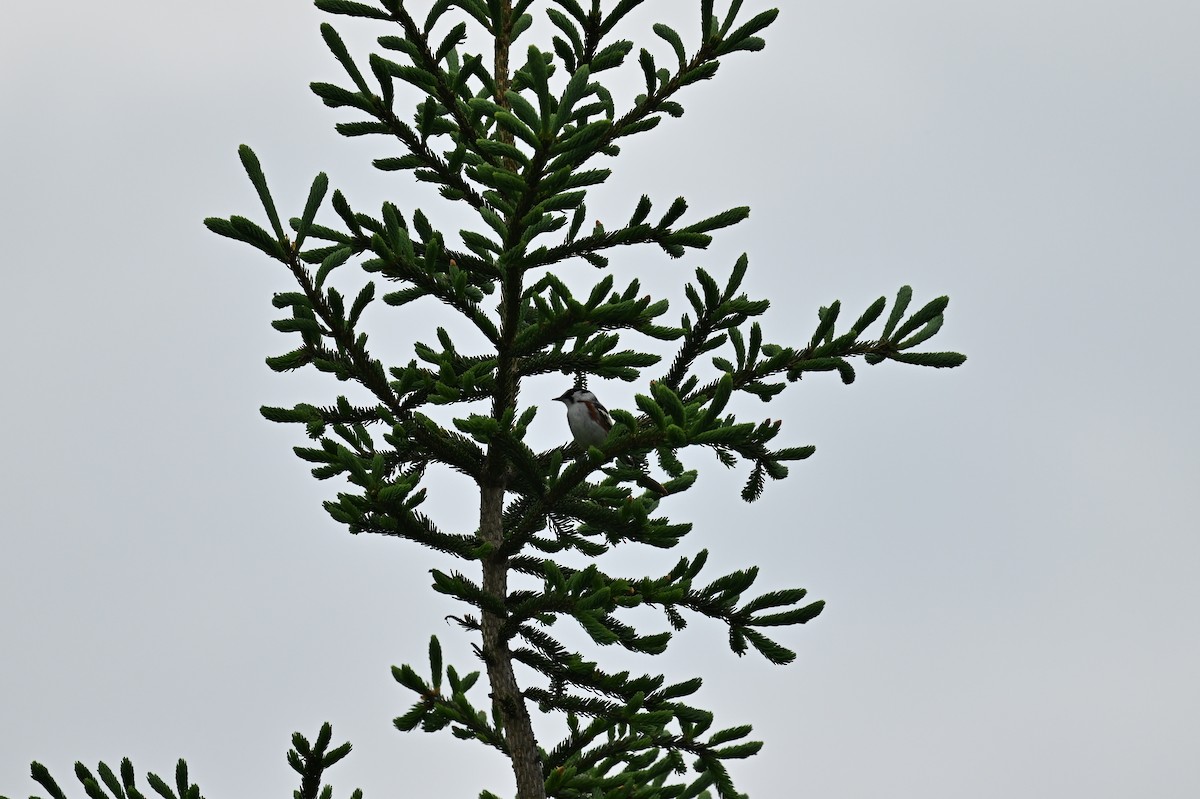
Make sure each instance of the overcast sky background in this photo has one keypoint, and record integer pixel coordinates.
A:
(1008, 550)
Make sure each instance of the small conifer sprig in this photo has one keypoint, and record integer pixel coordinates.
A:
(307, 760)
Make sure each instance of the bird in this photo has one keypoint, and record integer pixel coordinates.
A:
(590, 424)
(589, 421)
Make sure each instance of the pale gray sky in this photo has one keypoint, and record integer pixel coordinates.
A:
(1008, 550)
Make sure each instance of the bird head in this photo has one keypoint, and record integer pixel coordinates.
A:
(573, 395)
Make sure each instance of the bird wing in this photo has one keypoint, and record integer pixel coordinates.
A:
(600, 415)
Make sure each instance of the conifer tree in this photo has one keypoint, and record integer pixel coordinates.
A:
(518, 132)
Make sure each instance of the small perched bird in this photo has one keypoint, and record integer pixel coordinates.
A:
(590, 423)
(588, 419)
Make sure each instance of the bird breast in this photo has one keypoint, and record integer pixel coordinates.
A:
(585, 431)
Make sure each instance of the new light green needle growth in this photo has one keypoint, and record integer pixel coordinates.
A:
(459, 95)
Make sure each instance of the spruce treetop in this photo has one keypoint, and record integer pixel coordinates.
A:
(518, 132)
